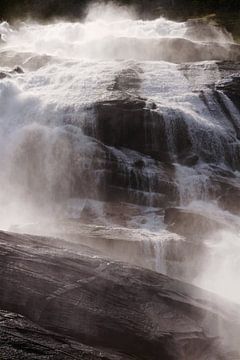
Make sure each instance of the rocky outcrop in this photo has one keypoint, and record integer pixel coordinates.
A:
(228, 191)
(22, 339)
(17, 70)
(135, 124)
(231, 87)
(101, 303)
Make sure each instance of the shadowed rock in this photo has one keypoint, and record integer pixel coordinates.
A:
(7, 74)
(231, 87)
(132, 123)
(22, 339)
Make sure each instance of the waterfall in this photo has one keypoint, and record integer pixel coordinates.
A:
(113, 120)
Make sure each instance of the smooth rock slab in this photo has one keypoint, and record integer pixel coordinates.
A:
(111, 305)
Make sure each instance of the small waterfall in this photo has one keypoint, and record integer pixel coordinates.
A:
(192, 184)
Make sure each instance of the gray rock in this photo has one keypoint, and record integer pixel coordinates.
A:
(231, 87)
(192, 223)
(101, 303)
(21, 339)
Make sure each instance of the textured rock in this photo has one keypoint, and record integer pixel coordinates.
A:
(228, 191)
(231, 87)
(139, 313)
(20, 339)
(134, 124)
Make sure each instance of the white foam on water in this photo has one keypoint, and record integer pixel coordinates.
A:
(70, 66)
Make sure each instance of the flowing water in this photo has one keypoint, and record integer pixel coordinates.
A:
(65, 147)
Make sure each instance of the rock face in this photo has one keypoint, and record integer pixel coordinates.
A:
(191, 223)
(137, 159)
(126, 146)
(228, 190)
(132, 123)
(231, 87)
(135, 131)
(22, 339)
(135, 312)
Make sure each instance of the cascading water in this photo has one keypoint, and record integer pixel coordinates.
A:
(116, 110)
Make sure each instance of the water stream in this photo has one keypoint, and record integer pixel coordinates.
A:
(63, 157)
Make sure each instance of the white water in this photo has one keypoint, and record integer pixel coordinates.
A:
(67, 68)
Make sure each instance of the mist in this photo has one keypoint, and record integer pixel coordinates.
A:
(121, 134)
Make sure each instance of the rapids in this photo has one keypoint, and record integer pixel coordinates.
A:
(68, 154)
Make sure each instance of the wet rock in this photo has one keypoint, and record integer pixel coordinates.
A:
(18, 70)
(127, 123)
(22, 339)
(128, 80)
(135, 312)
(139, 179)
(231, 87)
(7, 74)
(228, 191)
(139, 164)
(228, 67)
(89, 170)
(132, 123)
(193, 223)
(188, 159)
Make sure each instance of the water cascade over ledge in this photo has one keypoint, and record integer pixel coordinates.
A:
(123, 135)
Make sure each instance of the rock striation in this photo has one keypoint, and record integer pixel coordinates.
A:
(109, 305)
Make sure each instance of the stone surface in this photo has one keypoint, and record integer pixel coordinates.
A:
(228, 191)
(231, 87)
(193, 223)
(20, 339)
(101, 303)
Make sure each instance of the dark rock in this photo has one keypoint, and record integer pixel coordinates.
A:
(188, 159)
(135, 312)
(132, 123)
(99, 171)
(231, 87)
(138, 178)
(139, 164)
(228, 67)
(228, 193)
(18, 70)
(3, 75)
(127, 123)
(22, 339)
